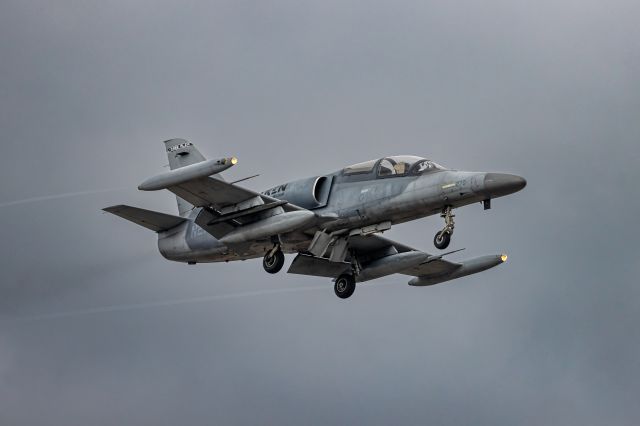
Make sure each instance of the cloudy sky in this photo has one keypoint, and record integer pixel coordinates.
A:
(96, 328)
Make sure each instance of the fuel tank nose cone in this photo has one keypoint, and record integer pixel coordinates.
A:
(499, 184)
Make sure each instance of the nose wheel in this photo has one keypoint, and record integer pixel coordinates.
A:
(443, 237)
(442, 240)
(273, 261)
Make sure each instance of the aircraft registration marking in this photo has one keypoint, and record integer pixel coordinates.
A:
(275, 190)
(179, 146)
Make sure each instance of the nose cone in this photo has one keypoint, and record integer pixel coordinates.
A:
(500, 184)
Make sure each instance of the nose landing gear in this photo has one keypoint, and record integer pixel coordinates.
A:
(274, 260)
(443, 237)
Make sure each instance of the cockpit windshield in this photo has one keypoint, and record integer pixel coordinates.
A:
(399, 165)
(426, 166)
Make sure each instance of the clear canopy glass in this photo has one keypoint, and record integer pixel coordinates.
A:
(426, 166)
(365, 167)
(397, 165)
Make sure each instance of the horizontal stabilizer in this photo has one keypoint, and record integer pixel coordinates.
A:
(154, 221)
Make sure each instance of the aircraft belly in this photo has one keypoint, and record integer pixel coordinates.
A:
(293, 243)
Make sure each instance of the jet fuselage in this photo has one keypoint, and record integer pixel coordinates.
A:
(350, 201)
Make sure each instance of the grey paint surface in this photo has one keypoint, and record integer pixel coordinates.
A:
(118, 335)
(341, 203)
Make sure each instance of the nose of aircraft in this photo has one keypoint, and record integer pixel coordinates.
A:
(499, 184)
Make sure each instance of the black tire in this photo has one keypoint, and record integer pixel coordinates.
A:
(274, 263)
(345, 286)
(442, 240)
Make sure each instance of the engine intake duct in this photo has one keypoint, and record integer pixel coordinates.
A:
(309, 193)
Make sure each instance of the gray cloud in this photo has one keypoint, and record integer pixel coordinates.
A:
(88, 90)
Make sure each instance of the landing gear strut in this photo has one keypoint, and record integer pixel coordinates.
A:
(274, 260)
(345, 286)
(443, 237)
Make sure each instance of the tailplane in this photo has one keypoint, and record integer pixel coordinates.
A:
(154, 221)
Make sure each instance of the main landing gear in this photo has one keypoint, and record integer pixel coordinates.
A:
(443, 237)
(345, 286)
(274, 260)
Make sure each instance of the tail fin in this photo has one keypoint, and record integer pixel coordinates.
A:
(182, 153)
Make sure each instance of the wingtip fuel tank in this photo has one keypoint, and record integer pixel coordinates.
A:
(469, 267)
(187, 173)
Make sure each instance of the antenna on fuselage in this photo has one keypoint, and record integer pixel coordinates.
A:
(243, 179)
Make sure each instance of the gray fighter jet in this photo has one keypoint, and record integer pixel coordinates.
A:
(332, 222)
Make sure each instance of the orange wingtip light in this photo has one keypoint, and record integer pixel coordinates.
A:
(503, 257)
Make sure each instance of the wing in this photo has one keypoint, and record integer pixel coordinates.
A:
(374, 247)
(367, 250)
(227, 206)
(220, 195)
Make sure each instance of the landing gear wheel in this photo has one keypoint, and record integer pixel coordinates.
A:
(345, 286)
(272, 264)
(442, 240)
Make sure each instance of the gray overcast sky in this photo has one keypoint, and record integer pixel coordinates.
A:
(96, 328)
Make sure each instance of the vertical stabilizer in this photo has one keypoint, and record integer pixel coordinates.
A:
(182, 153)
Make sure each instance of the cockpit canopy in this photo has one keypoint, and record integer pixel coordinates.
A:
(399, 165)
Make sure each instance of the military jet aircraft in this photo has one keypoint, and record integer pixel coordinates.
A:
(332, 222)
